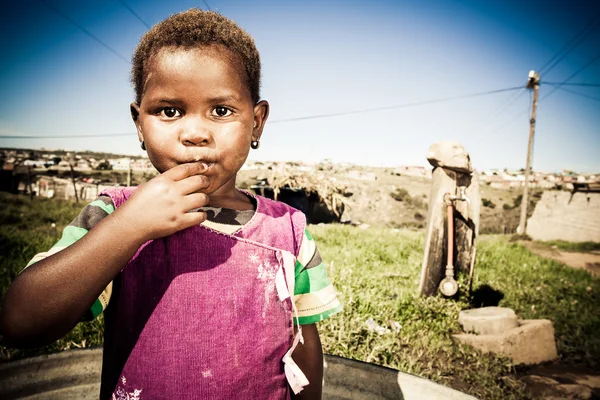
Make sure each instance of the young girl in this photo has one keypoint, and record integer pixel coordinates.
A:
(208, 291)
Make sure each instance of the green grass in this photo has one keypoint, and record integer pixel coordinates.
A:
(573, 246)
(26, 228)
(540, 288)
(376, 272)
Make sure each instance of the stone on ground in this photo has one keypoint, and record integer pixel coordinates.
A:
(532, 342)
(488, 320)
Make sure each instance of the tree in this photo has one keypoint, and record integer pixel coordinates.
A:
(104, 165)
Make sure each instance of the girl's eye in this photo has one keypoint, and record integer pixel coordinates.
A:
(170, 112)
(222, 111)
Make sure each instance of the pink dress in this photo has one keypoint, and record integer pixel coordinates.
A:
(206, 315)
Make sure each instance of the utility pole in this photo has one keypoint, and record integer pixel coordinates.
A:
(533, 84)
(73, 180)
(129, 173)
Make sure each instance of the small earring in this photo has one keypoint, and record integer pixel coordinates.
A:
(143, 145)
(255, 144)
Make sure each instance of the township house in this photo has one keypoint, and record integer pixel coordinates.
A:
(34, 172)
(15, 165)
(60, 188)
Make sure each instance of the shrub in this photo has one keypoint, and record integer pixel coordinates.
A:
(517, 201)
(488, 203)
(400, 194)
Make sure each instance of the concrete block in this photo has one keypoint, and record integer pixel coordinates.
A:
(532, 342)
(451, 155)
(488, 320)
(572, 217)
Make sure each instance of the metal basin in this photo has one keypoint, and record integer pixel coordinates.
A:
(75, 374)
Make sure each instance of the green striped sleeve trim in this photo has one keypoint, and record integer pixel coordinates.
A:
(311, 319)
(108, 208)
(70, 235)
(96, 308)
(316, 306)
(306, 252)
(311, 280)
(308, 235)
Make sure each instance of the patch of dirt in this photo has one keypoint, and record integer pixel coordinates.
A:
(559, 381)
(588, 261)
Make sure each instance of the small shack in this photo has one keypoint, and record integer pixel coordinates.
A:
(320, 197)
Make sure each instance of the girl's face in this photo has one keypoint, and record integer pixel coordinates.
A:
(196, 107)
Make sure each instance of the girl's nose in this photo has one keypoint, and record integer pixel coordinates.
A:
(196, 133)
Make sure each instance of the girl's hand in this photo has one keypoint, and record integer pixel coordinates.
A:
(160, 207)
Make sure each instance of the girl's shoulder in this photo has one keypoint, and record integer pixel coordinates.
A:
(264, 204)
(119, 194)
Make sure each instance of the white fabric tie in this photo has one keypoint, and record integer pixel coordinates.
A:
(284, 282)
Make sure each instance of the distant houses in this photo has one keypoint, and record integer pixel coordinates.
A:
(39, 172)
(43, 173)
(60, 188)
(504, 179)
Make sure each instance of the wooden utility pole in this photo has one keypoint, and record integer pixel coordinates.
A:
(73, 180)
(29, 186)
(129, 174)
(534, 84)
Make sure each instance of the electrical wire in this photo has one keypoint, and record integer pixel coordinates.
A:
(489, 92)
(65, 136)
(558, 57)
(580, 70)
(510, 122)
(207, 6)
(374, 109)
(56, 10)
(557, 86)
(134, 13)
(514, 97)
(571, 45)
(579, 93)
(571, 84)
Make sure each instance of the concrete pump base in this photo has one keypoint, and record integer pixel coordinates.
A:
(532, 342)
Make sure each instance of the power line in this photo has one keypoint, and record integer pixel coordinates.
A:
(558, 86)
(571, 84)
(579, 93)
(572, 76)
(572, 44)
(514, 97)
(418, 103)
(65, 136)
(207, 6)
(367, 110)
(56, 10)
(511, 121)
(134, 13)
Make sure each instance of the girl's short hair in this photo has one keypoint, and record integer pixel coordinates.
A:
(195, 28)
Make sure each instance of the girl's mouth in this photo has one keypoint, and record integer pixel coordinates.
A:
(207, 165)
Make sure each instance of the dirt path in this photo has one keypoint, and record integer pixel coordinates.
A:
(589, 261)
(557, 381)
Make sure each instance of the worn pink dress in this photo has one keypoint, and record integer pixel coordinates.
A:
(206, 315)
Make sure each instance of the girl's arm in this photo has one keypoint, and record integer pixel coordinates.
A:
(309, 358)
(51, 296)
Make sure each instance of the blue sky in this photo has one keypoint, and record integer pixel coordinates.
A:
(326, 58)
